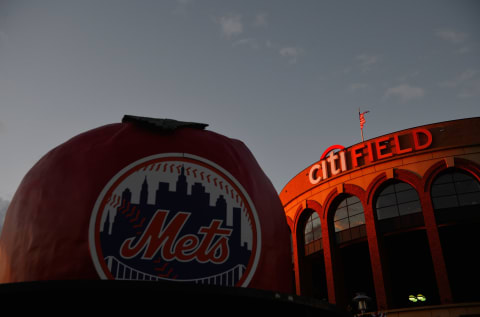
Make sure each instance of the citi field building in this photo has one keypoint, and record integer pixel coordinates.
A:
(396, 218)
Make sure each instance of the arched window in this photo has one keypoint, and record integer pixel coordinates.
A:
(406, 252)
(312, 274)
(352, 246)
(455, 189)
(349, 220)
(397, 199)
(313, 228)
(398, 207)
(456, 200)
(312, 234)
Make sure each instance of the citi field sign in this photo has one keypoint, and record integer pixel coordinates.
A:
(337, 159)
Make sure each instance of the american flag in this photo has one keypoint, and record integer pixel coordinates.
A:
(362, 118)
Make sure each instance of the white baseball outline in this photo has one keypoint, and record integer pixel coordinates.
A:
(106, 188)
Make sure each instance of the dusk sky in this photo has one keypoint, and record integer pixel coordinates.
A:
(285, 77)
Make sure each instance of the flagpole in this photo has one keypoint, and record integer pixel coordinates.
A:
(361, 129)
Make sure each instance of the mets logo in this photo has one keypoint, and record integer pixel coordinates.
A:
(175, 217)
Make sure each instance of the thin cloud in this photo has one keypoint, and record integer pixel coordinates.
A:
(460, 79)
(261, 20)
(357, 86)
(250, 42)
(470, 90)
(231, 25)
(452, 36)
(367, 61)
(292, 53)
(405, 92)
(467, 83)
(463, 50)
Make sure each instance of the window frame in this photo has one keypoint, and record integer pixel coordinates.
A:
(309, 223)
(352, 208)
(349, 207)
(398, 192)
(446, 194)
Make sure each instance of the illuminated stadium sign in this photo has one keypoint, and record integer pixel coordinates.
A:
(336, 159)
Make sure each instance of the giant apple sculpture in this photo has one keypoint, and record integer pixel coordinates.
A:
(148, 199)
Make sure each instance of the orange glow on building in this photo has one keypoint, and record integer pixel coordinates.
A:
(389, 216)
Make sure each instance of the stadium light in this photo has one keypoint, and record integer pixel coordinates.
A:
(417, 298)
